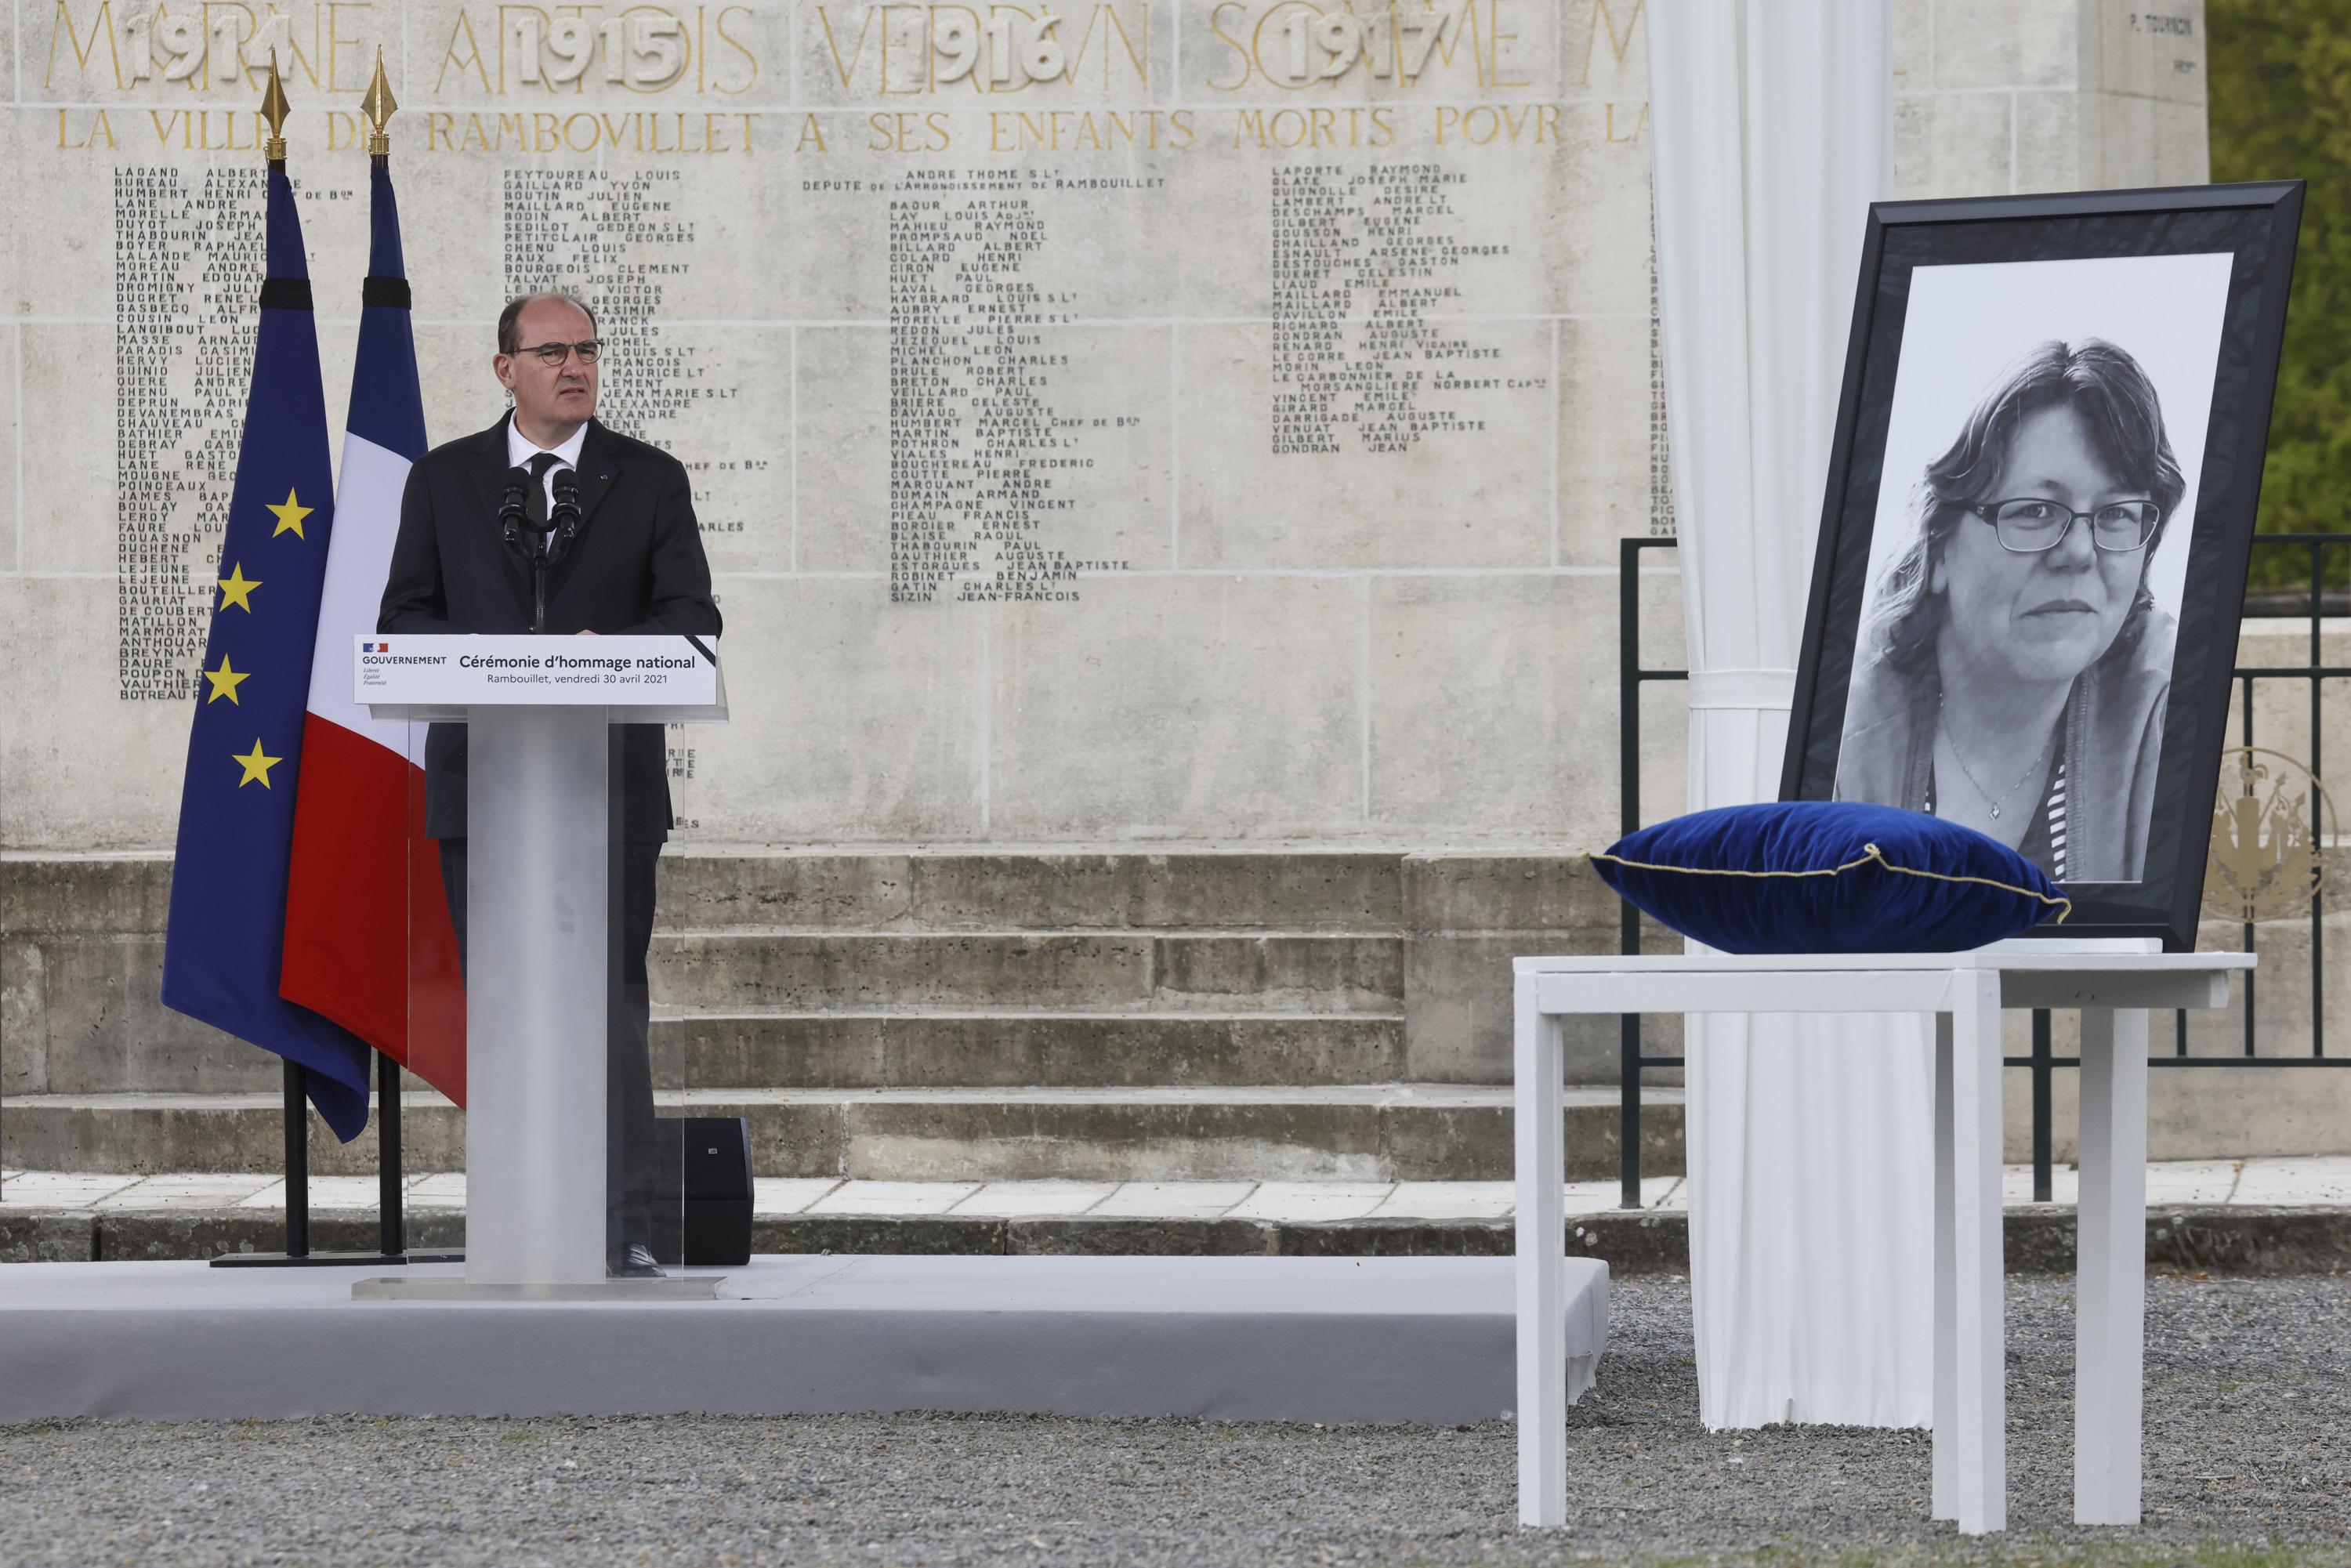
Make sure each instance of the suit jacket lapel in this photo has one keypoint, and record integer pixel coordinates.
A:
(599, 467)
(489, 466)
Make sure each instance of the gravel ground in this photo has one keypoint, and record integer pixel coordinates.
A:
(2248, 1464)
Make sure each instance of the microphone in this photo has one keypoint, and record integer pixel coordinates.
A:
(565, 515)
(513, 517)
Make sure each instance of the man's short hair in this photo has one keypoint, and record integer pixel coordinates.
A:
(510, 336)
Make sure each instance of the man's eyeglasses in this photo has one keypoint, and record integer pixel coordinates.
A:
(553, 354)
(2032, 525)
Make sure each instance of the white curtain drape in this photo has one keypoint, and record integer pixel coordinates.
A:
(1808, 1136)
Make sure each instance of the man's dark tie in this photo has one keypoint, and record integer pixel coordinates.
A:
(535, 504)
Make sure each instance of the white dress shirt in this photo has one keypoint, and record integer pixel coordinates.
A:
(521, 449)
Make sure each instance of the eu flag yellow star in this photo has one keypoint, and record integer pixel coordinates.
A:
(225, 682)
(236, 587)
(256, 765)
(290, 516)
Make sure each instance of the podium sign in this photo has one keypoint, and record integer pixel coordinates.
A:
(440, 677)
(539, 828)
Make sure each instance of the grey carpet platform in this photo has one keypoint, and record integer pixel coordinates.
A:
(1288, 1339)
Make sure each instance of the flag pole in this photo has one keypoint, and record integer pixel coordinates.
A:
(297, 1161)
(393, 1239)
(342, 1098)
(297, 1109)
(297, 1098)
(378, 105)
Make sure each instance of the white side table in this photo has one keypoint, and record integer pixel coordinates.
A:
(2112, 984)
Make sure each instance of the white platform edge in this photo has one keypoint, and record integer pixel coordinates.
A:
(1428, 1340)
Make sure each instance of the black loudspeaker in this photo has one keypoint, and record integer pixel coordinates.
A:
(706, 1162)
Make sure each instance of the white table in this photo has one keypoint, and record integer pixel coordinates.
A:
(2112, 983)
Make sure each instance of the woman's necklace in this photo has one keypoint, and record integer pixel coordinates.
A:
(1942, 722)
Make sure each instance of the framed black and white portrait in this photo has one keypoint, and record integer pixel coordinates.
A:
(2041, 505)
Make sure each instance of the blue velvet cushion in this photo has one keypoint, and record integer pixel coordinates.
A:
(1829, 876)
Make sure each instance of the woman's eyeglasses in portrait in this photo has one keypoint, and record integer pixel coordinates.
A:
(2031, 525)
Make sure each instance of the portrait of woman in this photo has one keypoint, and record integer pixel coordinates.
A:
(2041, 488)
(2012, 664)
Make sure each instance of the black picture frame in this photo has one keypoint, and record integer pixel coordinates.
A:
(2257, 223)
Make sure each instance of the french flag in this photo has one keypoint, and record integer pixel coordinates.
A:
(368, 938)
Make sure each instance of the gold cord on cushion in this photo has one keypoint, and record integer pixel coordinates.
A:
(1869, 852)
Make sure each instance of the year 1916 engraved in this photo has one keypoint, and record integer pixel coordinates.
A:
(1016, 48)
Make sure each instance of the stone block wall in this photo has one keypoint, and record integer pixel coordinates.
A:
(1222, 437)
(1322, 395)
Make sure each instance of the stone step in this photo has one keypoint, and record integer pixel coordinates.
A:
(1049, 889)
(1387, 1131)
(1370, 936)
(1532, 887)
(750, 968)
(1140, 1008)
(871, 1049)
(2039, 1238)
(1007, 1048)
(1538, 888)
(2287, 1181)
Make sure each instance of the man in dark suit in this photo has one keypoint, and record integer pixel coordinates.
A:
(634, 566)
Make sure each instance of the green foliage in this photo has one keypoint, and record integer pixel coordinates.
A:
(2279, 76)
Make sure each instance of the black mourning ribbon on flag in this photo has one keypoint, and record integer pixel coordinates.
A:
(391, 292)
(285, 294)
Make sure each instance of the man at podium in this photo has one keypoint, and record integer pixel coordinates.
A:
(549, 521)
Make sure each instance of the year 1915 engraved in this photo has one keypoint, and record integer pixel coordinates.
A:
(638, 51)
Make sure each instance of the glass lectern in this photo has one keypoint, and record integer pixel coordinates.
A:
(537, 803)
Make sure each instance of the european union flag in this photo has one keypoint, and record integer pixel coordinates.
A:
(221, 947)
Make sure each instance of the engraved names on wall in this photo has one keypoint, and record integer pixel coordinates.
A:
(621, 241)
(986, 442)
(1367, 261)
(1133, 326)
(188, 254)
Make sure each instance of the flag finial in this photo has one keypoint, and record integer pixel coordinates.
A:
(273, 109)
(378, 105)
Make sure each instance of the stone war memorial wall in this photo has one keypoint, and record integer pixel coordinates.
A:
(1163, 473)
(1203, 423)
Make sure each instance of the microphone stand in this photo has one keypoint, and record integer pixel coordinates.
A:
(542, 551)
(514, 516)
(539, 582)
(563, 524)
